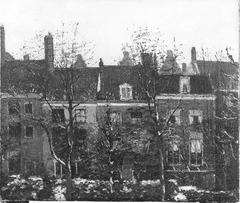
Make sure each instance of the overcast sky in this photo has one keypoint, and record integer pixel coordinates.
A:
(201, 23)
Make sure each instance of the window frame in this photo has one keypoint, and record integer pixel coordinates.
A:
(178, 153)
(25, 109)
(176, 113)
(184, 82)
(62, 117)
(78, 116)
(126, 91)
(17, 107)
(195, 113)
(27, 127)
(194, 136)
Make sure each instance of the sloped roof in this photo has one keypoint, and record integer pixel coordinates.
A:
(33, 76)
(218, 71)
(113, 76)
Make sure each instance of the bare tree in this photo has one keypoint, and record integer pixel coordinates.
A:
(148, 51)
(63, 83)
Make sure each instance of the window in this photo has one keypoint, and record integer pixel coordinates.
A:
(13, 107)
(125, 91)
(58, 115)
(196, 148)
(28, 108)
(14, 131)
(175, 116)
(81, 115)
(184, 84)
(136, 118)
(195, 117)
(13, 162)
(29, 131)
(116, 118)
(174, 153)
(58, 169)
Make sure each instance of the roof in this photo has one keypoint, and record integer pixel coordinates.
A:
(114, 76)
(220, 73)
(33, 76)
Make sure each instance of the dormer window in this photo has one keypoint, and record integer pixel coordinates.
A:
(125, 91)
(184, 85)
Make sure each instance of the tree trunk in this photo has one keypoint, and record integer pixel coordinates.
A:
(161, 176)
(68, 183)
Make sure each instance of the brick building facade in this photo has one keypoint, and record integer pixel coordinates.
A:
(187, 98)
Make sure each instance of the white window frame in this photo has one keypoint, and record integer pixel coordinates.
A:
(177, 114)
(79, 117)
(184, 80)
(125, 91)
(193, 113)
(195, 136)
(174, 141)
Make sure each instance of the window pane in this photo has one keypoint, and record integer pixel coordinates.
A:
(13, 107)
(28, 108)
(58, 115)
(29, 131)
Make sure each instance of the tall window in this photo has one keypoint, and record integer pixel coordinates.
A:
(28, 108)
(58, 115)
(125, 91)
(29, 131)
(116, 118)
(174, 116)
(195, 117)
(13, 107)
(136, 118)
(196, 148)
(81, 115)
(184, 84)
(15, 131)
(174, 153)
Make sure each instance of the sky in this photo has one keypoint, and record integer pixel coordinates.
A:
(211, 24)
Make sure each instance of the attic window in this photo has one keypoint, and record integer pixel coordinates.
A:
(184, 84)
(125, 91)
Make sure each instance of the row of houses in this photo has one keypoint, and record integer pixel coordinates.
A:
(188, 95)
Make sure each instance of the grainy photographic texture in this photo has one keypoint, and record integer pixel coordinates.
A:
(119, 100)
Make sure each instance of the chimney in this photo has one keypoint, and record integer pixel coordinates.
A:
(193, 54)
(26, 57)
(49, 53)
(100, 63)
(2, 42)
(184, 68)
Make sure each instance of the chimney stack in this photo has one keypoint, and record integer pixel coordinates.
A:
(100, 63)
(49, 52)
(26, 57)
(2, 43)
(184, 68)
(193, 54)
